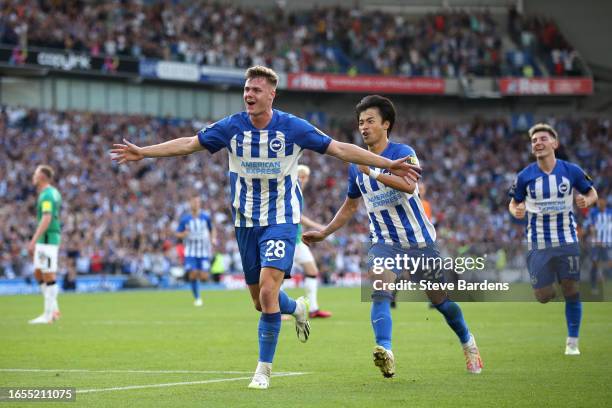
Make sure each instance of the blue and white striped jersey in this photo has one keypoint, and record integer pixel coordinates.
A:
(198, 240)
(601, 221)
(549, 202)
(263, 165)
(395, 217)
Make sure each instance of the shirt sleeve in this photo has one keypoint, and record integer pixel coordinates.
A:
(406, 151)
(209, 223)
(46, 206)
(581, 180)
(518, 189)
(311, 138)
(353, 188)
(182, 224)
(214, 137)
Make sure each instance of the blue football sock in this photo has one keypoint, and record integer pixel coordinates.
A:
(573, 314)
(380, 316)
(195, 288)
(286, 304)
(269, 328)
(454, 317)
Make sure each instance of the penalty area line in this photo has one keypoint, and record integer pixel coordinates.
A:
(216, 380)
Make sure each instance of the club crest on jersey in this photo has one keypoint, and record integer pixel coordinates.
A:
(564, 187)
(277, 144)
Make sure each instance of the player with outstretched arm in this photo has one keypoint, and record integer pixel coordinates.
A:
(264, 146)
(398, 227)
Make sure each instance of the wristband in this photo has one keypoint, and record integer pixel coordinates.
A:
(374, 173)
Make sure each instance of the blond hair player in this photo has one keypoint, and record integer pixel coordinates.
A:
(44, 245)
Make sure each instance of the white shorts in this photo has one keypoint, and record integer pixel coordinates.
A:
(302, 254)
(46, 257)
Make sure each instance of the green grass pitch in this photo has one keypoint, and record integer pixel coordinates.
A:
(187, 356)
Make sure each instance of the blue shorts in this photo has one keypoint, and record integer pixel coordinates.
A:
(193, 263)
(270, 246)
(429, 266)
(550, 264)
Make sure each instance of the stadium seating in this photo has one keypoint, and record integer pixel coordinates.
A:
(342, 40)
(120, 219)
(541, 36)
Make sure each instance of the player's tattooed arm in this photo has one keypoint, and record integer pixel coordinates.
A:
(586, 200)
(344, 214)
(405, 184)
(182, 146)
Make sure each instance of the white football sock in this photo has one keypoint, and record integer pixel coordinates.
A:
(43, 292)
(264, 368)
(49, 302)
(54, 291)
(470, 343)
(310, 286)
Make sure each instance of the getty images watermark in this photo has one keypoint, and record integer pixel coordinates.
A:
(427, 273)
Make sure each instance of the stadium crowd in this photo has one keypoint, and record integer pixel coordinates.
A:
(333, 39)
(541, 36)
(121, 219)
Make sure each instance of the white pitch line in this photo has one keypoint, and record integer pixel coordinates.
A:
(44, 370)
(77, 370)
(217, 380)
(141, 322)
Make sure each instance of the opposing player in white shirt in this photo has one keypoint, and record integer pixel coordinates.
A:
(304, 258)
